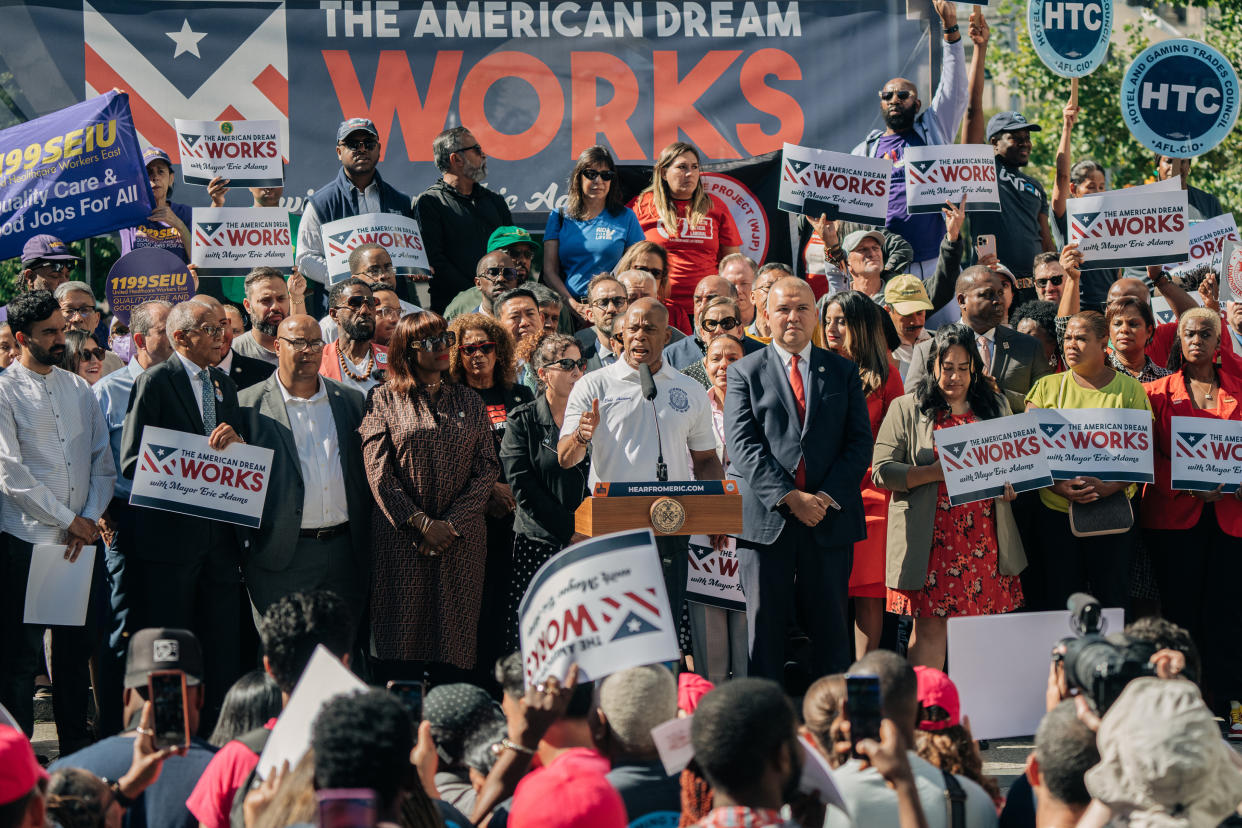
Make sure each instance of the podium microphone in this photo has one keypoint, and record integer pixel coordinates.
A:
(647, 383)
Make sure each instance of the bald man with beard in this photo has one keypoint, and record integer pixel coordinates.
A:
(316, 519)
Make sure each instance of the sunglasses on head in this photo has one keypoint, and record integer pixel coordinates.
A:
(602, 175)
(357, 302)
(434, 343)
(362, 144)
(902, 94)
(728, 323)
(1051, 280)
(479, 348)
(568, 364)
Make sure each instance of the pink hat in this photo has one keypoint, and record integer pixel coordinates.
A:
(936, 689)
(572, 792)
(691, 688)
(21, 770)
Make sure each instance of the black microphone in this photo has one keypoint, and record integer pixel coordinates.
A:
(647, 383)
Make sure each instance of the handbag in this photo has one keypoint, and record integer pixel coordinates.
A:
(1112, 515)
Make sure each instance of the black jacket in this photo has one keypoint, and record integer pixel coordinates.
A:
(455, 231)
(246, 371)
(546, 494)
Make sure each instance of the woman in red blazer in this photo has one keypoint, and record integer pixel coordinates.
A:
(1193, 535)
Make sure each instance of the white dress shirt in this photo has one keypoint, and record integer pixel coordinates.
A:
(804, 365)
(196, 384)
(311, 261)
(319, 458)
(55, 459)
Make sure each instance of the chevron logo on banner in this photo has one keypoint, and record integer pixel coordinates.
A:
(191, 60)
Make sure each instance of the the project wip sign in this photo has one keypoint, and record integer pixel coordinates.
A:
(179, 472)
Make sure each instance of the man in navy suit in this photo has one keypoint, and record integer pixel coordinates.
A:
(799, 440)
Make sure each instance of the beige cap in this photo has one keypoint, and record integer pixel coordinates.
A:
(906, 294)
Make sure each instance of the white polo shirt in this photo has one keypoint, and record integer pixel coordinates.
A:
(625, 447)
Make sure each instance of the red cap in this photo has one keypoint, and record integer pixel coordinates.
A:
(21, 769)
(937, 689)
(690, 689)
(572, 792)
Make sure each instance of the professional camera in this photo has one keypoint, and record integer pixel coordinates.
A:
(1099, 666)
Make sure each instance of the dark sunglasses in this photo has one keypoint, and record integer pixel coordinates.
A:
(728, 323)
(363, 144)
(496, 275)
(93, 353)
(902, 94)
(569, 364)
(1051, 280)
(603, 175)
(357, 302)
(55, 267)
(611, 302)
(475, 147)
(480, 348)
(654, 271)
(434, 343)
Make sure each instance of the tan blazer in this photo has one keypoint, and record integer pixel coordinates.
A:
(905, 440)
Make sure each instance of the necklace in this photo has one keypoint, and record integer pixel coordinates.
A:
(370, 365)
(1211, 388)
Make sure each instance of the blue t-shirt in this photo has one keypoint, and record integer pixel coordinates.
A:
(590, 247)
(163, 804)
(923, 230)
(158, 234)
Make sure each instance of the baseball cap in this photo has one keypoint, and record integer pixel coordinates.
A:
(21, 769)
(1008, 121)
(906, 294)
(355, 125)
(163, 648)
(936, 689)
(572, 792)
(502, 237)
(48, 249)
(455, 712)
(854, 239)
(155, 154)
(1005, 272)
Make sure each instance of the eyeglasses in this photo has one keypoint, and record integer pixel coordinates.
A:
(902, 94)
(605, 302)
(358, 302)
(375, 271)
(434, 343)
(479, 348)
(78, 310)
(654, 271)
(474, 147)
(728, 323)
(496, 275)
(55, 267)
(367, 144)
(301, 345)
(93, 353)
(213, 331)
(602, 175)
(388, 313)
(569, 364)
(1051, 280)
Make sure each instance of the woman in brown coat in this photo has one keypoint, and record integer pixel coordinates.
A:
(431, 460)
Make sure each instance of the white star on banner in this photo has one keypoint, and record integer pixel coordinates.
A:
(187, 40)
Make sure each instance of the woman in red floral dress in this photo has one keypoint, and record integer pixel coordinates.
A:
(944, 560)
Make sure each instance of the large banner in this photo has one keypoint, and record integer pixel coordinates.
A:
(536, 82)
(74, 173)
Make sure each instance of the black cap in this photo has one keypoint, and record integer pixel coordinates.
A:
(1009, 121)
(163, 648)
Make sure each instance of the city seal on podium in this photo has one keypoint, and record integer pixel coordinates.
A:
(667, 515)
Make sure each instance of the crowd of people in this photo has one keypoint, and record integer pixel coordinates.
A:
(429, 455)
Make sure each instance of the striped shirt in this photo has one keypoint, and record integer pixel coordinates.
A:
(55, 462)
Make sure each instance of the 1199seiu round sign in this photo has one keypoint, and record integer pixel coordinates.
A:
(1180, 98)
(1071, 38)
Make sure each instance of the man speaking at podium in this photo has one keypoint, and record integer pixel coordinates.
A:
(798, 436)
(643, 421)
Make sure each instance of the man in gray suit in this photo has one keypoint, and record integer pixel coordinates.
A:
(1014, 360)
(316, 521)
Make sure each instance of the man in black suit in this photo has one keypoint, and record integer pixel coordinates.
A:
(316, 520)
(607, 299)
(798, 440)
(1013, 359)
(244, 371)
(183, 571)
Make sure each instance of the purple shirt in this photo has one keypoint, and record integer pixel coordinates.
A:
(158, 234)
(923, 230)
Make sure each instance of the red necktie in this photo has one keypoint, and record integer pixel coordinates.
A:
(799, 393)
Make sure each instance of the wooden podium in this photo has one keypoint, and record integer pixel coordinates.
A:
(680, 507)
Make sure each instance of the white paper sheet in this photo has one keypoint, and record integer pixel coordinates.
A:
(57, 592)
(672, 741)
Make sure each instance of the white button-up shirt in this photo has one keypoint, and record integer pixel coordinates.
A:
(55, 460)
(319, 457)
(625, 445)
(804, 364)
